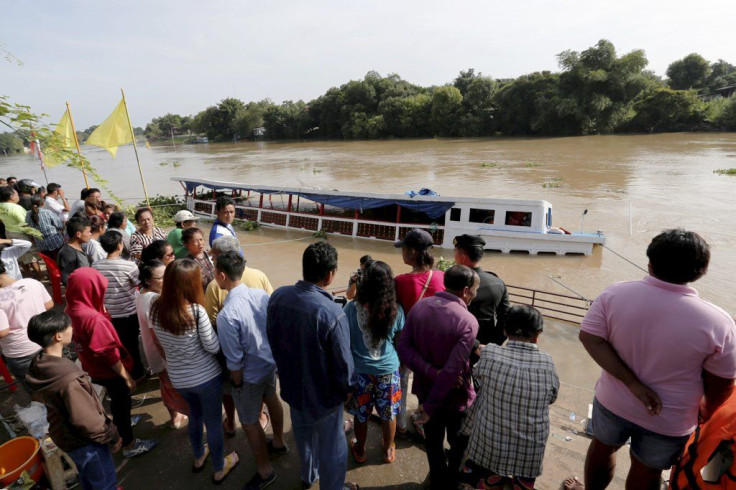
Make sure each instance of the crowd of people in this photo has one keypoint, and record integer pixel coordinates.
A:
(219, 339)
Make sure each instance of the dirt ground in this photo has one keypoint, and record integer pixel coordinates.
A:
(168, 466)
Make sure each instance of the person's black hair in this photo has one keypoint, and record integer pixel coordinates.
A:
(366, 261)
(318, 260)
(76, 223)
(11, 178)
(459, 277)
(88, 192)
(6, 192)
(2, 264)
(110, 240)
(223, 201)
(524, 322)
(145, 271)
(43, 327)
(377, 292)
(232, 264)
(53, 187)
(36, 205)
(155, 251)
(678, 256)
(96, 223)
(187, 234)
(116, 219)
(474, 252)
(140, 211)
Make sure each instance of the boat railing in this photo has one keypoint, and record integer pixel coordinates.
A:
(384, 230)
(558, 306)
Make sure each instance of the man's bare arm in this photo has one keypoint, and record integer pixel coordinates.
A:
(607, 358)
(716, 391)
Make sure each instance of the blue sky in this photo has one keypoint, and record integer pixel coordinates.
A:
(182, 56)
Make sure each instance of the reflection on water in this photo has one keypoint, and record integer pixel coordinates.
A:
(633, 187)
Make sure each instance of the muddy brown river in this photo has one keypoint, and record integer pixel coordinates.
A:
(632, 186)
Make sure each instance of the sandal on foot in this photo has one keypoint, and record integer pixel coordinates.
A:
(350, 486)
(228, 468)
(391, 457)
(278, 451)
(197, 469)
(353, 449)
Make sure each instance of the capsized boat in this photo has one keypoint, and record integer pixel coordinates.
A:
(506, 225)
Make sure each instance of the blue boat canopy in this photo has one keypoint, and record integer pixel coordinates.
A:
(433, 209)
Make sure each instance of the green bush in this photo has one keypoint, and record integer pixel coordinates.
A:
(164, 208)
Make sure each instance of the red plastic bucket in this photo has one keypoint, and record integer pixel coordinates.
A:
(19, 455)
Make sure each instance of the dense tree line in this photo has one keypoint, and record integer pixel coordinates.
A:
(595, 92)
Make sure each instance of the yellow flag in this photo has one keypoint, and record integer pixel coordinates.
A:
(64, 129)
(113, 132)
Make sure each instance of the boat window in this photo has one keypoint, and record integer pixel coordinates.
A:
(518, 218)
(455, 214)
(485, 216)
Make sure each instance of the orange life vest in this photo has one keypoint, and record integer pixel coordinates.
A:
(717, 435)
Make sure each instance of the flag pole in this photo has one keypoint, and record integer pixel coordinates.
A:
(76, 142)
(135, 147)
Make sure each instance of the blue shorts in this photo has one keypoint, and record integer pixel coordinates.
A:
(654, 450)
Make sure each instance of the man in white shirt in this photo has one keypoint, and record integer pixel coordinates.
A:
(56, 201)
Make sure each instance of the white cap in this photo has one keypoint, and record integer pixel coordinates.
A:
(184, 215)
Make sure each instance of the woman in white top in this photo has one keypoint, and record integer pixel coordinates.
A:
(151, 276)
(10, 251)
(189, 345)
(93, 249)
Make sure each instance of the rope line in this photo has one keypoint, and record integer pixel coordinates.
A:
(624, 258)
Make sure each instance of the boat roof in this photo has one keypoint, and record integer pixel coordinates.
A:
(433, 206)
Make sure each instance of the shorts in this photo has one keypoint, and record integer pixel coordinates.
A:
(654, 450)
(380, 390)
(249, 398)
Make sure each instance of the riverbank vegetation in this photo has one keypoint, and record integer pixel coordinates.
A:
(596, 91)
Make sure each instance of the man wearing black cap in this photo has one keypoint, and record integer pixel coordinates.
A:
(492, 301)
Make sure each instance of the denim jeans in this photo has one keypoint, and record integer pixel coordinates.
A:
(323, 451)
(18, 366)
(96, 467)
(205, 409)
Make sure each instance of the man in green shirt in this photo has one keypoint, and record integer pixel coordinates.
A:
(184, 219)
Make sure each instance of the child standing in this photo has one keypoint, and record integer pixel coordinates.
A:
(77, 420)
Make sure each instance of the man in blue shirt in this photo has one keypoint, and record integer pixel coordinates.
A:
(241, 330)
(310, 340)
(225, 211)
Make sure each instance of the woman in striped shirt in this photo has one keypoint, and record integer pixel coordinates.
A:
(146, 232)
(189, 345)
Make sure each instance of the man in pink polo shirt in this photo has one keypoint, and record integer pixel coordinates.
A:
(668, 357)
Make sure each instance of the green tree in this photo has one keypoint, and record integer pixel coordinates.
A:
(722, 74)
(691, 72)
(669, 110)
(447, 107)
(286, 121)
(251, 117)
(727, 119)
(601, 85)
(220, 122)
(10, 144)
(477, 91)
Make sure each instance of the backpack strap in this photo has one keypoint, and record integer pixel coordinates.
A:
(426, 284)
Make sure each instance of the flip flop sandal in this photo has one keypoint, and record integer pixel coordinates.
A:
(350, 486)
(392, 454)
(229, 466)
(361, 459)
(198, 469)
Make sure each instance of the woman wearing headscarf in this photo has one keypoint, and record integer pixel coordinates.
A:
(102, 353)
